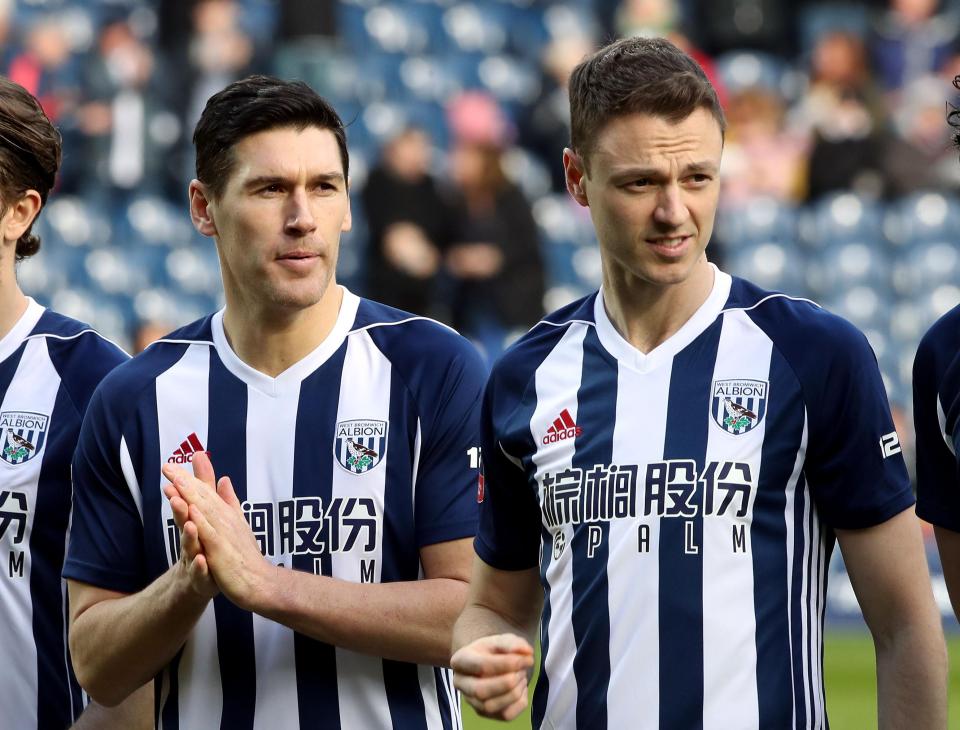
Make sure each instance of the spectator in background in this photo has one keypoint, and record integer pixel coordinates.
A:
(912, 39)
(918, 155)
(147, 332)
(545, 128)
(409, 225)
(44, 67)
(842, 113)
(128, 129)
(7, 50)
(761, 156)
(495, 259)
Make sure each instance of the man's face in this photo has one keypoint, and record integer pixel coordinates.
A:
(279, 219)
(652, 189)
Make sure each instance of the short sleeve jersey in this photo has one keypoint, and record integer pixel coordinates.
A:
(679, 505)
(49, 367)
(936, 413)
(346, 465)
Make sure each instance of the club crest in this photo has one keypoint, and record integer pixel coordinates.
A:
(359, 445)
(22, 435)
(738, 406)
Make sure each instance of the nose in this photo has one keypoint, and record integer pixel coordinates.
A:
(299, 218)
(671, 210)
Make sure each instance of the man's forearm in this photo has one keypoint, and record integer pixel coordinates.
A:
(408, 621)
(912, 679)
(119, 644)
(478, 621)
(134, 713)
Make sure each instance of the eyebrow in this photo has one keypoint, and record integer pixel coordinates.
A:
(693, 168)
(265, 180)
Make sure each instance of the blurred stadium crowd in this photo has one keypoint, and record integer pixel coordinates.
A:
(839, 180)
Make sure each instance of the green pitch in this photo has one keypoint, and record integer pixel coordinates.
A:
(849, 677)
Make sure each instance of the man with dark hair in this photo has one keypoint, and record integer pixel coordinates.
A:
(317, 586)
(936, 415)
(667, 463)
(49, 366)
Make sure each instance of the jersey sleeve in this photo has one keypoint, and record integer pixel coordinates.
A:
(106, 538)
(509, 533)
(82, 363)
(938, 486)
(855, 467)
(446, 506)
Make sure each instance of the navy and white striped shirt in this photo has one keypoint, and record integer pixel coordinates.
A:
(49, 367)
(347, 464)
(679, 505)
(936, 413)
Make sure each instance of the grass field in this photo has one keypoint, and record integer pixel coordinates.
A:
(850, 681)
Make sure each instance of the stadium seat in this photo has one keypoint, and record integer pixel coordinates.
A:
(922, 217)
(922, 267)
(757, 220)
(771, 265)
(473, 27)
(848, 264)
(76, 222)
(842, 216)
(157, 222)
(194, 270)
(740, 70)
(106, 314)
(864, 306)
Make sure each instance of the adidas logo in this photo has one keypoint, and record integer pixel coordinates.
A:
(184, 455)
(563, 428)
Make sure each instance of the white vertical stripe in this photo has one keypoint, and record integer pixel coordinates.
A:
(633, 577)
(364, 394)
(821, 577)
(556, 381)
(271, 443)
(182, 409)
(805, 588)
(428, 689)
(130, 475)
(789, 516)
(729, 616)
(33, 389)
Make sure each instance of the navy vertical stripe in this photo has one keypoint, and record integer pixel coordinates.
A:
(596, 402)
(401, 559)
(8, 368)
(797, 609)
(830, 543)
(681, 575)
(171, 710)
(444, 691)
(47, 544)
(768, 539)
(226, 443)
(316, 662)
(542, 691)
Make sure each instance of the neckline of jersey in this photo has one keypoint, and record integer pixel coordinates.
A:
(28, 320)
(629, 356)
(293, 375)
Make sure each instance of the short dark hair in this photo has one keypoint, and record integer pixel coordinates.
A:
(636, 75)
(29, 154)
(953, 116)
(256, 104)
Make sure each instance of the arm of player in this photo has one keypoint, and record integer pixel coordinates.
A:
(120, 641)
(948, 543)
(493, 640)
(409, 621)
(134, 713)
(888, 570)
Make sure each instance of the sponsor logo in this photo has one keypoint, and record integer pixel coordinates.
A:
(359, 444)
(188, 447)
(738, 406)
(563, 428)
(480, 488)
(22, 435)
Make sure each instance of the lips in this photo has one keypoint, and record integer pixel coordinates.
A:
(670, 246)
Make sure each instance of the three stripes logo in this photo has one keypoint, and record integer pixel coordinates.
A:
(562, 428)
(184, 454)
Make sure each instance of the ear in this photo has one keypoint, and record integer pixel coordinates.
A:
(20, 215)
(201, 212)
(574, 171)
(348, 218)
